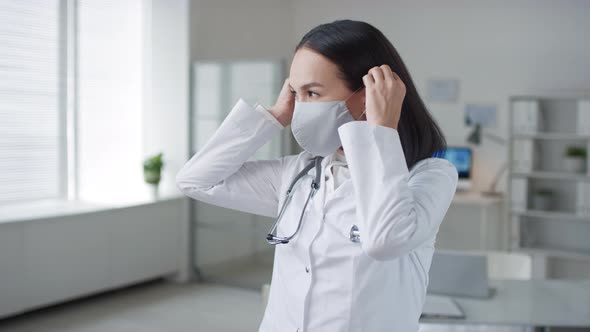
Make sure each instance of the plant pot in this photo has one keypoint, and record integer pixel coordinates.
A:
(574, 164)
(155, 191)
(151, 177)
(542, 202)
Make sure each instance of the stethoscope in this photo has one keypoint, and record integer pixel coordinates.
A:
(315, 185)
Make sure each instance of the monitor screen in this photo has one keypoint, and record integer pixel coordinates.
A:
(461, 158)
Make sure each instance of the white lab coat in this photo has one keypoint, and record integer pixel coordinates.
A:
(322, 281)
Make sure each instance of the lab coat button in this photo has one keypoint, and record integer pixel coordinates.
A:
(307, 269)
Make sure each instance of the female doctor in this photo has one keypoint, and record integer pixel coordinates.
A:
(356, 229)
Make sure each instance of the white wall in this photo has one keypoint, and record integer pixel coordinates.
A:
(235, 29)
(165, 126)
(496, 48)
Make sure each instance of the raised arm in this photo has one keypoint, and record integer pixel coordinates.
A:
(397, 210)
(220, 172)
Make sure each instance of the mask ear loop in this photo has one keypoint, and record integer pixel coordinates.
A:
(359, 119)
(353, 95)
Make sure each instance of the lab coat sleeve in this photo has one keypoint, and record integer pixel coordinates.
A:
(397, 210)
(220, 172)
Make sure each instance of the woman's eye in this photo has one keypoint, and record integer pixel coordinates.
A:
(309, 93)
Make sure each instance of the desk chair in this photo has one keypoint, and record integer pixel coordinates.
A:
(509, 265)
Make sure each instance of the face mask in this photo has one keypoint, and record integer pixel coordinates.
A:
(315, 125)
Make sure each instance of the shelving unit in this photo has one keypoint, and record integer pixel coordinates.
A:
(552, 175)
(541, 214)
(542, 128)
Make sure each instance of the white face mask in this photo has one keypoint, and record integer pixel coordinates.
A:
(315, 125)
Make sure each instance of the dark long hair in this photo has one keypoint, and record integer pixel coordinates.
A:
(355, 47)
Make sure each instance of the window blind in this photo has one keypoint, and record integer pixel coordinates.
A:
(30, 127)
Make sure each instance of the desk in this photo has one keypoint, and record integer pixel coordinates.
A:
(530, 303)
(474, 222)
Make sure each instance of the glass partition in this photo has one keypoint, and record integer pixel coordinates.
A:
(229, 246)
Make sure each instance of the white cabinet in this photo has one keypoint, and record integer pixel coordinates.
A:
(584, 117)
(144, 241)
(519, 194)
(64, 257)
(523, 158)
(583, 199)
(526, 116)
(549, 206)
(51, 260)
(12, 268)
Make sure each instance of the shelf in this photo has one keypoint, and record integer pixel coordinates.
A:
(552, 136)
(553, 175)
(557, 253)
(541, 130)
(473, 198)
(552, 215)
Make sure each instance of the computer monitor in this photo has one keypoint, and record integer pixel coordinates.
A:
(461, 157)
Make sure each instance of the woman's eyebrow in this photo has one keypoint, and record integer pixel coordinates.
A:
(310, 85)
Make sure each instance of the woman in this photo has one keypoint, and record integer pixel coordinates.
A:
(358, 258)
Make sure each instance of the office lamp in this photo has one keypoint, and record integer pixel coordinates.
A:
(475, 137)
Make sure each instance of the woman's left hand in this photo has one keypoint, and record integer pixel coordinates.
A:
(384, 95)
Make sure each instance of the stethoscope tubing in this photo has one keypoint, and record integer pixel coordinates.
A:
(315, 185)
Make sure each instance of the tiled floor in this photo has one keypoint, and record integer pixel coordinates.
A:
(157, 306)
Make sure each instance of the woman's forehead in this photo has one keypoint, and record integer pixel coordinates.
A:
(309, 66)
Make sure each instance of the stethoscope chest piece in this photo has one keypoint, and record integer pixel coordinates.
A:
(354, 234)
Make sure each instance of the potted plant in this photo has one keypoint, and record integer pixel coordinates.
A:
(152, 172)
(575, 159)
(543, 199)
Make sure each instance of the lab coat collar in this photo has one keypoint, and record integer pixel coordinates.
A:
(341, 191)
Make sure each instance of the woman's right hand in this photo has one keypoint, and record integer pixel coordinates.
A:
(282, 110)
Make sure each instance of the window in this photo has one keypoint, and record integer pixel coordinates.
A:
(32, 140)
(110, 67)
(56, 51)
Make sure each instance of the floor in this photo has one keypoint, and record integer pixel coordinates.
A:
(249, 274)
(157, 306)
(162, 306)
